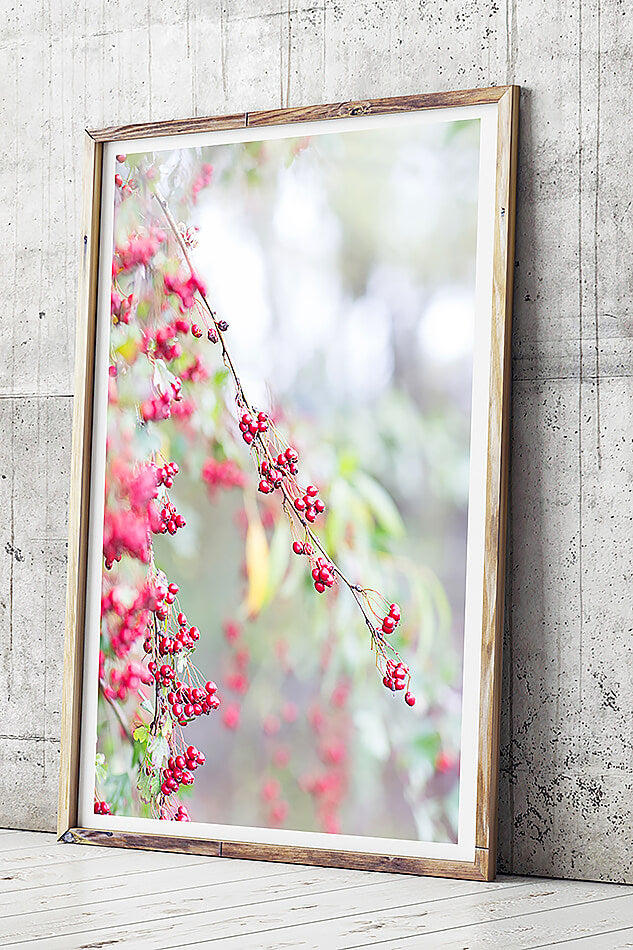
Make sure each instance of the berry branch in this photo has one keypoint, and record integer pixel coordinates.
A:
(277, 466)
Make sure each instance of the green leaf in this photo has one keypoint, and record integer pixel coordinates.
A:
(382, 506)
(220, 377)
(141, 733)
(158, 750)
(148, 785)
(101, 768)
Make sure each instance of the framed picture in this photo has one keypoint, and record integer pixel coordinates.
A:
(287, 518)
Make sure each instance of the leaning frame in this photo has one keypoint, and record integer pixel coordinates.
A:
(483, 866)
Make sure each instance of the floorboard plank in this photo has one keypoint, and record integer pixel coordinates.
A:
(222, 884)
(17, 840)
(416, 925)
(72, 897)
(569, 925)
(201, 911)
(36, 864)
(620, 939)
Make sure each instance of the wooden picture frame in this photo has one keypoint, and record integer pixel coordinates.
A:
(504, 100)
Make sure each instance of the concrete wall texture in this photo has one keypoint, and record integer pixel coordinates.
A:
(566, 806)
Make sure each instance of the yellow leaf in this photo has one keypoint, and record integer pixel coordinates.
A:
(256, 561)
(128, 350)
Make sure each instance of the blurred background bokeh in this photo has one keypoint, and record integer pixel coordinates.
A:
(344, 264)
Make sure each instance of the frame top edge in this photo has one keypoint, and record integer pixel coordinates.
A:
(332, 110)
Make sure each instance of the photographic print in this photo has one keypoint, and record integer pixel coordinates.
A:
(289, 501)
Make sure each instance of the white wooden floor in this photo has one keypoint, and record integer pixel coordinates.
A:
(74, 896)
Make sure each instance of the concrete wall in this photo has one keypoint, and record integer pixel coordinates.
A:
(567, 763)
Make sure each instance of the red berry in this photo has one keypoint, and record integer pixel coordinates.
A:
(248, 438)
(118, 181)
(319, 505)
(409, 699)
(210, 687)
(394, 612)
(297, 547)
(196, 331)
(312, 490)
(299, 504)
(121, 158)
(265, 487)
(318, 586)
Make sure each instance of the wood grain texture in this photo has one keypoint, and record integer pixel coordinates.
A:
(141, 842)
(497, 476)
(284, 854)
(79, 488)
(344, 110)
(151, 901)
(464, 870)
(169, 127)
(483, 866)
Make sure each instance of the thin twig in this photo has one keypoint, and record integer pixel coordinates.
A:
(117, 711)
(355, 589)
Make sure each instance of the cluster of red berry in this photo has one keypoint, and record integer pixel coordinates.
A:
(170, 520)
(396, 677)
(126, 624)
(120, 307)
(391, 621)
(184, 289)
(166, 345)
(163, 599)
(187, 703)
(165, 475)
(126, 681)
(180, 770)
(273, 474)
(249, 426)
(309, 505)
(323, 574)
(202, 180)
(102, 808)
(157, 407)
(182, 814)
(140, 248)
(184, 639)
(224, 474)
(127, 187)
